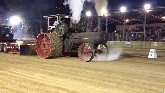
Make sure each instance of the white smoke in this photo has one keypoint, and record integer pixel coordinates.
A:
(22, 32)
(114, 54)
(76, 6)
(18, 33)
(100, 5)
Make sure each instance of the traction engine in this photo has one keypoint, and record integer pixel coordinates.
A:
(66, 38)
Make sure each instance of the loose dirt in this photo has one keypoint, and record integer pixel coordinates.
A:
(31, 74)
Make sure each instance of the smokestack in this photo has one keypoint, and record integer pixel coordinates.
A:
(71, 25)
(99, 23)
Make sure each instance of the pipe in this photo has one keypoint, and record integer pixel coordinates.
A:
(99, 23)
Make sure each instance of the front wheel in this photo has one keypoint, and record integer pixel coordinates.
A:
(86, 52)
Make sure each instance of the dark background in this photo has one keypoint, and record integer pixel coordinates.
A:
(46, 7)
(34, 10)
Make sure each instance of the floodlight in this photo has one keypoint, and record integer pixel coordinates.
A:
(88, 13)
(163, 17)
(147, 6)
(127, 20)
(123, 9)
(15, 20)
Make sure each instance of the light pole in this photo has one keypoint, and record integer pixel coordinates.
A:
(106, 23)
(146, 8)
(88, 13)
(126, 21)
(123, 9)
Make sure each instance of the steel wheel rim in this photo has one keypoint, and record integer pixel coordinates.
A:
(43, 45)
(85, 52)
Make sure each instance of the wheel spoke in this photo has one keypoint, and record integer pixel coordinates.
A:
(85, 52)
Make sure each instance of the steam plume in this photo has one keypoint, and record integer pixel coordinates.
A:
(21, 33)
(114, 54)
(100, 5)
(76, 7)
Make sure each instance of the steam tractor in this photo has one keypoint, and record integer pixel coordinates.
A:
(7, 42)
(86, 39)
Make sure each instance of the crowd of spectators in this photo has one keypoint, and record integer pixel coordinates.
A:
(136, 33)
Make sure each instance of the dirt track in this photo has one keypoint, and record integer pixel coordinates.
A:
(28, 74)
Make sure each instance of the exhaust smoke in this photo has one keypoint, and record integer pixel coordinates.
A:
(22, 32)
(76, 6)
(114, 54)
(100, 6)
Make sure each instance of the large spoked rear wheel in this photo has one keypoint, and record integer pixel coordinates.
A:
(43, 45)
(86, 52)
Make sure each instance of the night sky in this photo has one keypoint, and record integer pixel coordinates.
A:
(134, 4)
(56, 6)
(33, 10)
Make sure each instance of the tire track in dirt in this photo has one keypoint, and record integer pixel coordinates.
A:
(66, 75)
